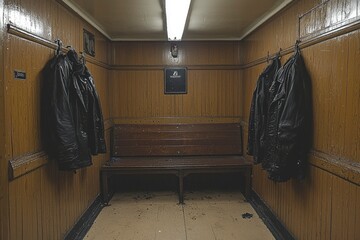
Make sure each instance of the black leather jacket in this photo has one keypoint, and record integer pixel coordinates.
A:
(280, 125)
(289, 129)
(72, 122)
(259, 111)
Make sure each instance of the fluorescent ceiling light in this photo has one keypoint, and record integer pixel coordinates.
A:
(176, 14)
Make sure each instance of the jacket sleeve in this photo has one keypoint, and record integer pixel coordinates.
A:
(294, 132)
(251, 127)
(97, 135)
(62, 125)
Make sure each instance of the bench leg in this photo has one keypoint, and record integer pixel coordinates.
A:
(105, 187)
(181, 187)
(247, 176)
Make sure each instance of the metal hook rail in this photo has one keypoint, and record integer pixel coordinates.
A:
(34, 38)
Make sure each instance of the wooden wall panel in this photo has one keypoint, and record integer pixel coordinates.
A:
(24, 94)
(101, 78)
(211, 94)
(352, 131)
(137, 83)
(4, 186)
(327, 62)
(325, 204)
(43, 203)
(302, 206)
(345, 210)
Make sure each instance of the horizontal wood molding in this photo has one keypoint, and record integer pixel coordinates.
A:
(161, 67)
(343, 168)
(161, 120)
(27, 163)
(335, 165)
(12, 29)
(24, 164)
(344, 29)
(352, 26)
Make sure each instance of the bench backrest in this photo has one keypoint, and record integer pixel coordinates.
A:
(176, 139)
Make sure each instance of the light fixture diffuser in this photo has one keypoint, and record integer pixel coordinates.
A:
(176, 14)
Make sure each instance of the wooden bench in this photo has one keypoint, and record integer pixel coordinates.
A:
(179, 149)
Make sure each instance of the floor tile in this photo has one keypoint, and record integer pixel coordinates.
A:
(140, 216)
(218, 216)
(206, 215)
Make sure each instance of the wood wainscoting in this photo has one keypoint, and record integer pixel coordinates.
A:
(326, 205)
(37, 200)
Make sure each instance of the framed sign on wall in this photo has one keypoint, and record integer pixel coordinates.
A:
(175, 81)
(89, 43)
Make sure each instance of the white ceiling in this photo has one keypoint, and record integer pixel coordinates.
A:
(139, 20)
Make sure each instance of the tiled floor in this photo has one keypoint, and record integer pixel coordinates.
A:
(158, 216)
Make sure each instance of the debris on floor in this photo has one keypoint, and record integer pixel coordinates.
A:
(247, 215)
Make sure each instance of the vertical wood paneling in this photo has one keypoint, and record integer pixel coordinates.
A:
(324, 206)
(302, 206)
(4, 187)
(101, 78)
(24, 94)
(327, 62)
(44, 203)
(345, 210)
(211, 93)
(214, 86)
(352, 130)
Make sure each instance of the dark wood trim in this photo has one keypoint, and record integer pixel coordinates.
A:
(271, 221)
(162, 67)
(352, 26)
(310, 41)
(341, 167)
(16, 31)
(24, 164)
(82, 226)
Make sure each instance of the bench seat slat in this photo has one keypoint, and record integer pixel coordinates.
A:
(177, 150)
(180, 141)
(176, 127)
(177, 162)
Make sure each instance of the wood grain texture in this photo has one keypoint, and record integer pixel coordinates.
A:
(4, 187)
(325, 205)
(140, 94)
(190, 54)
(43, 203)
(137, 87)
(176, 140)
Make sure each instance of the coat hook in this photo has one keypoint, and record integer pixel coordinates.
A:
(268, 56)
(279, 53)
(297, 47)
(59, 46)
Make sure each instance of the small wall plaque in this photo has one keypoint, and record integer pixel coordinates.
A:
(21, 75)
(175, 81)
(89, 43)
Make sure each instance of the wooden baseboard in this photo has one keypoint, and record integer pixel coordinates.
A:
(81, 228)
(271, 221)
